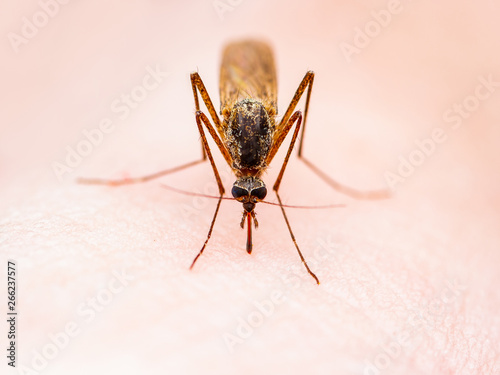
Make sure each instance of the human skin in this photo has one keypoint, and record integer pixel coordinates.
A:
(408, 284)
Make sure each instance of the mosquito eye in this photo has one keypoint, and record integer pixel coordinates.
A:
(238, 192)
(259, 193)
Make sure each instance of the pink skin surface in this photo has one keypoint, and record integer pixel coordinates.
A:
(409, 285)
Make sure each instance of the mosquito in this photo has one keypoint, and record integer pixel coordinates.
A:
(248, 136)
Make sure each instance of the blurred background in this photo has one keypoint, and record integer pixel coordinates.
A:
(406, 95)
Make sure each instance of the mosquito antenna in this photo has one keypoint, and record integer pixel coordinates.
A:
(301, 206)
(193, 194)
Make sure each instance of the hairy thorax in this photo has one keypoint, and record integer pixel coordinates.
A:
(249, 136)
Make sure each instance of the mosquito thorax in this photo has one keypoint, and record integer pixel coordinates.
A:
(249, 134)
(249, 191)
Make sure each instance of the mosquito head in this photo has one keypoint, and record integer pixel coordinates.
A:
(249, 191)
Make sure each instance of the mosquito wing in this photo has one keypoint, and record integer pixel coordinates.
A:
(248, 72)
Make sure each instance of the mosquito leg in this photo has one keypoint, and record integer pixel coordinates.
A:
(200, 117)
(307, 83)
(297, 117)
(196, 83)
(209, 233)
(135, 180)
(294, 241)
(198, 86)
(353, 193)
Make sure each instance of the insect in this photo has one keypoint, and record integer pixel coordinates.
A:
(248, 136)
